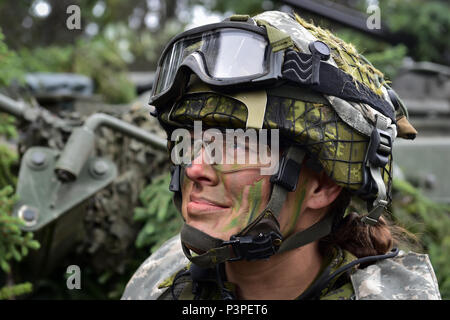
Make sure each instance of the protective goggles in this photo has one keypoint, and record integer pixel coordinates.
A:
(232, 54)
(227, 54)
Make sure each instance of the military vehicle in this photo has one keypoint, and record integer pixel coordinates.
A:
(83, 164)
(425, 87)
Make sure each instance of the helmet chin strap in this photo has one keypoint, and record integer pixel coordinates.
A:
(262, 237)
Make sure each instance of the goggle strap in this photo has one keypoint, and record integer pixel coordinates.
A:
(279, 40)
(307, 70)
(240, 17)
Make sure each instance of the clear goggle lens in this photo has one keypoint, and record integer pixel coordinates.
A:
(227, 54)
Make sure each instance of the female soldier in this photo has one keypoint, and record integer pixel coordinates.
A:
(286, 235)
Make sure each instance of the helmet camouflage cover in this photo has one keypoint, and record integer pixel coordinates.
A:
(333, 131)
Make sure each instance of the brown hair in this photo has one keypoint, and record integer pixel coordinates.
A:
(352, 234)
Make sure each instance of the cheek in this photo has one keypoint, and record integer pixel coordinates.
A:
(235, 183)
(249, 191)
(250, 195)
(293, 208)
(186, 188)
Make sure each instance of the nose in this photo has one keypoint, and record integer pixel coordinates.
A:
(201, 172)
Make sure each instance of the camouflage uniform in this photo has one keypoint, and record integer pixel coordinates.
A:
(408, 276)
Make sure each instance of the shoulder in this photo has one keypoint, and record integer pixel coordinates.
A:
(408, 276)
(168, 259)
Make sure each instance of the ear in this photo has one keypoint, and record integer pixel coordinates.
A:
(322, 190)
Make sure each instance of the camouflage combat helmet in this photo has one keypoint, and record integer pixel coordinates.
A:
(327, 101)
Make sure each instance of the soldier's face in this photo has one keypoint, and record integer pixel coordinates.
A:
(221, 200)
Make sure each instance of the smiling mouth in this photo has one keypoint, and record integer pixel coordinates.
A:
(200, 205)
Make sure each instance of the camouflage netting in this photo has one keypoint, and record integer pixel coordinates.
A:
(339, 148)
(110, 230)
(347, 58)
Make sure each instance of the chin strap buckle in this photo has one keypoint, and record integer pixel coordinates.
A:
(175, 185)
(258, 247)
(289, 169)
(375, 213)
(379, 150)
(380, 147)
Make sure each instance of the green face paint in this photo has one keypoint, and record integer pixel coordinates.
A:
(254, 200)
(244, 216)
(235, 221)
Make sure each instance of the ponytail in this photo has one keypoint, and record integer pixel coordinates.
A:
(352, 234)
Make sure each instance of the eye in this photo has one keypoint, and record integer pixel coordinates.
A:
(237, 144)
(240, 146)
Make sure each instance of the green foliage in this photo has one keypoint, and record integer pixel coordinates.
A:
(10, 64)
(14, 244)
(47, 59)
(10, 69)
(389, 60)
(427, 22)
(148, 46)
(7, 159)
(7, 126)
(160, 215)
(250, 7)
(430, 221)
(8, 156)
(386, 58)
(15, 290)
(98, 58)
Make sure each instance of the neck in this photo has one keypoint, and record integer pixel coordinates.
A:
(282, 277)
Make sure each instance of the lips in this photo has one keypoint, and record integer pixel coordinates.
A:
(199, 205)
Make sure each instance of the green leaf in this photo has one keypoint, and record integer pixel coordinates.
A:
(163, 209)
(140, 214)
(5, 266)
(33, 244)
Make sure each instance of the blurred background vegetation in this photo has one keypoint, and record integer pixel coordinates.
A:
(119, 37)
